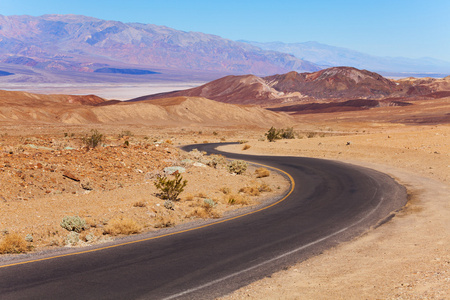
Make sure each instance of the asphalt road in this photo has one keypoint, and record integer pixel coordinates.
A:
(330, 203)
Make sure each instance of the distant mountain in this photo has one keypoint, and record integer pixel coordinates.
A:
(329, 56)
(84, 44)
(334, 84)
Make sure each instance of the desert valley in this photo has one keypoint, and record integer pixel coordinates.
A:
(98, 158)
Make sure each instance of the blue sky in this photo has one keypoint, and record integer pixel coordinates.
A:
(386, 28)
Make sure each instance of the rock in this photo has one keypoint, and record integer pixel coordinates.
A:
(69, 175)
(197, 164)
(172, 170)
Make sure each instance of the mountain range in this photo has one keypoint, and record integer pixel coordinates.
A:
(329, 56)
(79, 49)
(85, 44)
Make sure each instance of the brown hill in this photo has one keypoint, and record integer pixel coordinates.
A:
(336, 84)
(26, 108)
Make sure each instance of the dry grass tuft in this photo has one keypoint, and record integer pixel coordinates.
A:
(140, 204)
(164, 222)
(236, 199)
(246, 147)
(262, 172)
(250, 190)
(13, 243)
(122, 226)
(264, 188)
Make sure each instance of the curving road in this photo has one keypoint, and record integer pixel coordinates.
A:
(331, 202)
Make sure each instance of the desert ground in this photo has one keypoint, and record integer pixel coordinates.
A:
(48, 173)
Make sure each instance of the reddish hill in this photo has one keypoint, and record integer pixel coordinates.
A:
(333, 84)
(338, 82)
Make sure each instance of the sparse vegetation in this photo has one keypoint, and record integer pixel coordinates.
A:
(94, 139)
(273, 134)
(170, 188)
(125, 133)
(262, 172)
(237, 166)
(13, 243)
(74, 223)
(140, 204)
(287, 133)
(250, 190)
(236, 199)
(124, 226)
(168, 204)
(246, 147)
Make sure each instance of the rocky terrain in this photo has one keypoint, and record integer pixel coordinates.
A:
(46, 178)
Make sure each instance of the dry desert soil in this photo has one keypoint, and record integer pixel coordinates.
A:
(47, 173)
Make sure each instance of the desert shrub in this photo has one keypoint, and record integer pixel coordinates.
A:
(242, 141)
(74, 223)
(262, 172)
(125, 133)
(237, 166)
(122, 226)
(250, 190)
(164, 222)
(209, 203)
(246, 147)
(272, 134)
(168, 204)
(140, 204)
(170, 189)
(264, 188)
(310, 134)
(93, 140)
(72, 238)
(216, 160)
(199, 212)
(287, 133)
(13, 243)
(236, 199)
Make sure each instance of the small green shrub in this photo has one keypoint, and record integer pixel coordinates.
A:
(237, 166)
(209, 203)
(168, 204)
(93, 140)
(215, 160)
(273, 134)
(170, 189)
(288, 133)
(74, 223)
